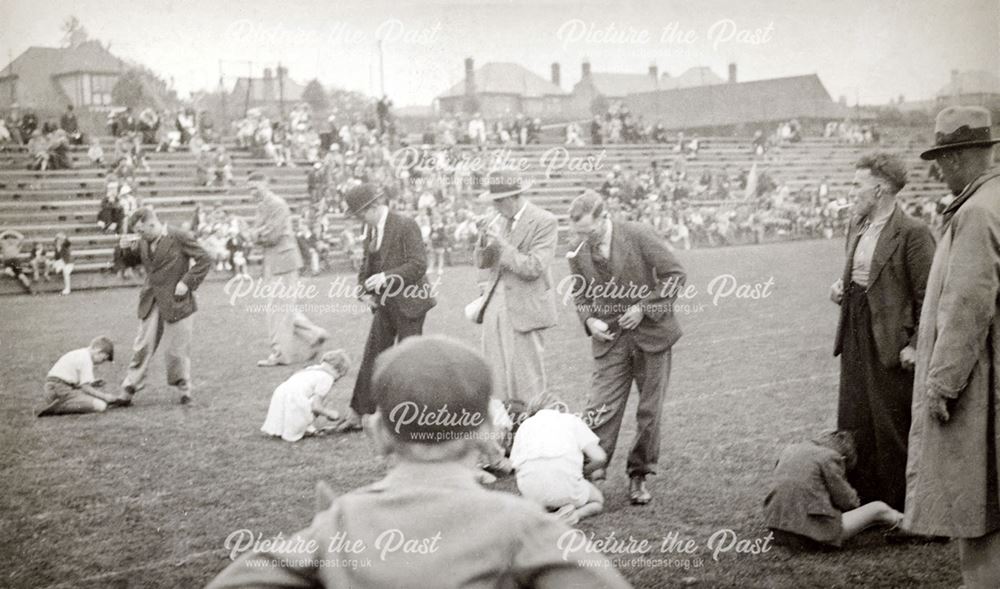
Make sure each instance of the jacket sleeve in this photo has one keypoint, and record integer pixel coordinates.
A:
(202, 262)
(581, 297)
(968, 299)
(531, 264)
(919, 255)
(414, 264)
(669, 273)
(842, 494)
(270, 224)
(274, 569)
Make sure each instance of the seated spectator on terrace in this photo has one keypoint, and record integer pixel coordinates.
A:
(5, 137)
(111, 216)
(95, 153)
(149, 126)
(58, 148)
(38, 151)
(69, 123)
(186, 124)
(10, 256)
(28, 124)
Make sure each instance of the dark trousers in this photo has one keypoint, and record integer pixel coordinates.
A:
(387, 328)
(874, 404)
(612, 381)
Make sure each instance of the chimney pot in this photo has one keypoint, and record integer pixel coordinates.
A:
(556, 77)
(732, 73)
(585, 69)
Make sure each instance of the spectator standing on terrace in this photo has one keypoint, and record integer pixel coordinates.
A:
(294, 338)
(477, 130)
(880, 294)
(69, 123)
(954, 460)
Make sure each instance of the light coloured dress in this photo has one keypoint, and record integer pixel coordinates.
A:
(290, 415)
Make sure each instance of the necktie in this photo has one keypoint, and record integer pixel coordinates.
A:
(601, 265)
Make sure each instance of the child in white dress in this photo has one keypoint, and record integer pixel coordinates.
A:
(548, 457)
(299, 400)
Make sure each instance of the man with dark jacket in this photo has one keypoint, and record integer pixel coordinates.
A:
(166, 301)
(889, 254)
(393, 283)
(624, 281)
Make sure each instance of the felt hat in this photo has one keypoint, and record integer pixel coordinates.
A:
(502, 184)
(361, 197)
(957, 127)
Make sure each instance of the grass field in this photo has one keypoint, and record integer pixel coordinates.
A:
(145, 497)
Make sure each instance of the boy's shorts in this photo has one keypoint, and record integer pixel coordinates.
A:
(549, 484)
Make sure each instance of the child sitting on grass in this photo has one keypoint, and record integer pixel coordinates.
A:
(811, 504)
(427, 523)
(298, 401)
(70, 386)
(548, 457)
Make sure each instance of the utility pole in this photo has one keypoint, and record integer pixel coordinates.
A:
(222, 98)
(281, 90)
(381, 69)
(246, 105)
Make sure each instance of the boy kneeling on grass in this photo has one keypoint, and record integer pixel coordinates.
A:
(811, 505)
(70, 386)
(427, 523)
(548, 455)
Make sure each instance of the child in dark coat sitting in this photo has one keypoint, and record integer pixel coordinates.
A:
(811, 504)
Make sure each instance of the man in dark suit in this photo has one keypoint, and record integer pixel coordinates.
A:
(393, 283)
(166, 301)
(624, 281)
(889, 256)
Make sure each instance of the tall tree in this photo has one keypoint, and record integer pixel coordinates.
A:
(315, 96)
(129, 90)
(74, 34)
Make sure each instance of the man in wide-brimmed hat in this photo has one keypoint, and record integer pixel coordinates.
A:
(393, 283)
(953, 468)
(515, 249)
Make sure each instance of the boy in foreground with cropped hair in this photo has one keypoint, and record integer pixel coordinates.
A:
(428, 523)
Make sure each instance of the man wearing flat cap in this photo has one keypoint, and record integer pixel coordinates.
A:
(514, 251)
(953, 467)
(392, 282)
(294, 338)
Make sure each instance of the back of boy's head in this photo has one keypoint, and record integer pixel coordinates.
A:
(338, 360)
(104, 344)
(841, 442)
(432, 389)
(544, 400)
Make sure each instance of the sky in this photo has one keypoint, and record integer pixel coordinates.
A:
(867, 50)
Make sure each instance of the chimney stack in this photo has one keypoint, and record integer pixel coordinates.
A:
(556, 78)
(843, 100)
(470, 77)
(955, 90)
(732, 73)
(654, 72)
(267, 73)
(585, 69)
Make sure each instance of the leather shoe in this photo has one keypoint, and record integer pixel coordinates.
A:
(638, 494)
(598, 474)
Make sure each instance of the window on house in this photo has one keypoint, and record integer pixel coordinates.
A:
(100, 89)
